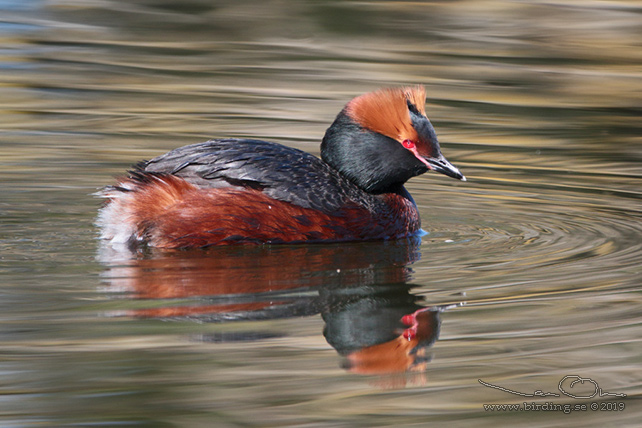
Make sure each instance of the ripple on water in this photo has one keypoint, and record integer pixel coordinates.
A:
(515, 232)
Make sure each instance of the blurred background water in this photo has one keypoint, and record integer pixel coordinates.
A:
(530, 271)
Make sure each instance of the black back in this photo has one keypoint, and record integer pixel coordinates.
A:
(281, 172)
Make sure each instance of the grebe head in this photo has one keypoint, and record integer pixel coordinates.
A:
(382, 139)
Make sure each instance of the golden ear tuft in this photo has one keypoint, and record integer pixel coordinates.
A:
(386, 111)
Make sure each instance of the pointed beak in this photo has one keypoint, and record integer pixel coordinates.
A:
(442, 165)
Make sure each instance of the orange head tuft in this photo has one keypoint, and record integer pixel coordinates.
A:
(387, 111)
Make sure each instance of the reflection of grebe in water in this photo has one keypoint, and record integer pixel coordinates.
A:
(383, 332)
(361, 290)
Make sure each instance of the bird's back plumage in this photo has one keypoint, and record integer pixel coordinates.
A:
(283, 173)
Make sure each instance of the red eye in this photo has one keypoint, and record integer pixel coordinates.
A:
(409, 144)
